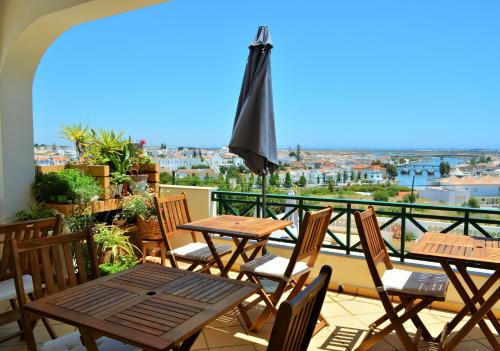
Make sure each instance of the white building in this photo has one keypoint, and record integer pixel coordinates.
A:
(373, 173)
(457, 190)
(175, 163)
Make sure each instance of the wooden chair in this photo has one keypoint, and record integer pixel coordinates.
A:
(173, 211)
(56, 263)
(21, 231)
(296, 319)
(406, 285)
(287, 273)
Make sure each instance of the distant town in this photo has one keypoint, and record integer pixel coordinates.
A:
(453, 177)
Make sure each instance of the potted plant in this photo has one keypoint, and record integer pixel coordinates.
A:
(140, 208)
(115, 251)
(50, 187)
(119, 219)
(35, 211)
(118, 180)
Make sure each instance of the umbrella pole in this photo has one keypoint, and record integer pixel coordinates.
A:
(263, 211)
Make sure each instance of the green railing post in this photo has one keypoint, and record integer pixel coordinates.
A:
(301, 212)
(403, 234)
(218, 198)
(348, 230)
(466, 222)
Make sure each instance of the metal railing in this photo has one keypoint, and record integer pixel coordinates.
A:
(395, 218)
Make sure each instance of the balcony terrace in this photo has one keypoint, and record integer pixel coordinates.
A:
(349, 317)
(351, 304)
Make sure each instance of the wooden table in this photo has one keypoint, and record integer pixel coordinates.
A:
(241, 230)
(461, 250)
(149, 306)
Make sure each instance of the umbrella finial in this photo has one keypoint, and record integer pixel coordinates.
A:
(263, 37)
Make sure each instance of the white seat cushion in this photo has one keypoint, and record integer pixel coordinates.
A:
(72, 342)
(8, 288)
(273, 266)
(415, 283)
(200, 251)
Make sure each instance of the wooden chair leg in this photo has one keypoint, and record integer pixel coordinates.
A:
(426, 335)
(13, 305)
(163, 254)
(322, 322)
(144, 248)
(397, 325)
(50, 330)
(28, 325)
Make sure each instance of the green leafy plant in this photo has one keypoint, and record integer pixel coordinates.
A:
(139, 207)
(35, 211)
(47, 186)
(72, 184)
(78, 222)
(113, 243)
(82, 188)
(119, 178)
(122, 264)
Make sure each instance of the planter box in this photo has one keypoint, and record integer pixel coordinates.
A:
(95, 171)
(97, 206)
(103, 181)
(153, 177)
(49, 169)
(150, 168)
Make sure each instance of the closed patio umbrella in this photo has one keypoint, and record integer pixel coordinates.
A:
(254, 136)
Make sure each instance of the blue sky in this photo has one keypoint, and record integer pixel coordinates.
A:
(381, 74)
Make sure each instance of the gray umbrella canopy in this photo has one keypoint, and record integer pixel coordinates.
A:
(254, 135)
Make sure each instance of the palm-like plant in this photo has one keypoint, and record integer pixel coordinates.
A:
(107, 141)
(113, 243)
(103, 145)
(78, 134)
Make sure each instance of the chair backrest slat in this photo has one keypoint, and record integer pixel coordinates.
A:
(311, 236)
(68, 259)
(372, 242)
(28, 230)
(172, 211)
(296, 319)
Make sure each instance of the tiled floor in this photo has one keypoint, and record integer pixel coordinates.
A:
(349, 317)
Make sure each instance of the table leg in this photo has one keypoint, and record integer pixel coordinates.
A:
(475, 319)
(211, 246)
(88, 340)
(240, 247)
(477, 294)
(259, 246)
(463, 312)
(188, 343)
(470, 306)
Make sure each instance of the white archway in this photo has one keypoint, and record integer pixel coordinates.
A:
(27, 29)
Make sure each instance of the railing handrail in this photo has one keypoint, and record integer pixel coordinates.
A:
(362, 202)
(402, 212)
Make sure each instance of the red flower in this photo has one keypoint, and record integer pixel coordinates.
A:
(142, 142)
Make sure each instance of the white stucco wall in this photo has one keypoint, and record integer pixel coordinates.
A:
(27, 28)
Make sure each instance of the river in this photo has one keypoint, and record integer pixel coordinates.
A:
(421, 180)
